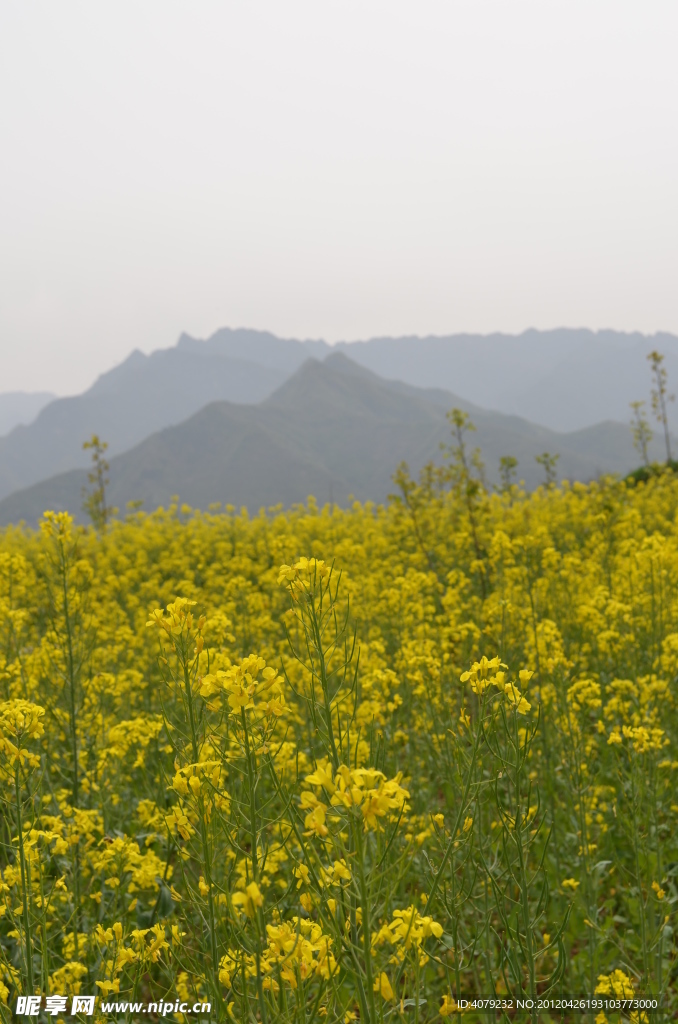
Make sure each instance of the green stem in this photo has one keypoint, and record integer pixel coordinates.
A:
(524, 902)
(366, 921)
(317, 642)
(636, 858)
(255, 862)
(24, 885)
(462, 808)
(206, 855)
(72, 724)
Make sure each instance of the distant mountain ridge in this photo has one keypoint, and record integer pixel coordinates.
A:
(563, 379)
(332, 430)
(125, 405)
(21, 407)
(262, 347)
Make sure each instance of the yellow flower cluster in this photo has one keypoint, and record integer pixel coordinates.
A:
(278, 799)
(408, 931)
(243, 688)
(490, 671)
(615, 984)
(364, 791)
(20, 721)
(177, 619)
(296, 951)
(301, 577)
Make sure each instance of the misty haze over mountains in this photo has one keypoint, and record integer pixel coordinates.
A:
(387, 397)
(562, 379)
(21, 407)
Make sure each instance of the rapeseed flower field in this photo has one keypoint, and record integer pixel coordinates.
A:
(334, 765)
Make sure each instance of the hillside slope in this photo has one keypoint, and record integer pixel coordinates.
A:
(332, 430)
(21, 407)
(563, 379)
(261, 347)
(125, 405)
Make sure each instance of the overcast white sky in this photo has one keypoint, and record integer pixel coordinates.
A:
(333, 169)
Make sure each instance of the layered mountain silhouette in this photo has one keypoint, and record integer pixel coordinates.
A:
(562, 379)
(21, 407)
(127, 404)
(283, 354)
(332, 430)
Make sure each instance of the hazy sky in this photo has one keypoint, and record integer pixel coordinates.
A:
(330, 169)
